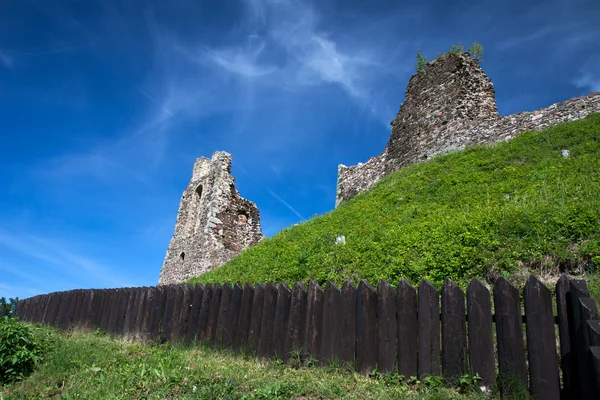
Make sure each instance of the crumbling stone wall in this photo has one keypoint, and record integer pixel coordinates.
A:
(448, 105)
(213, 225)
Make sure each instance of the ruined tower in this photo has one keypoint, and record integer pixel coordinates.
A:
(450, 95)
(213, 225)
(449, 105)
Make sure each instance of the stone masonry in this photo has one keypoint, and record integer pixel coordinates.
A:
(449, 105)
(213, 225)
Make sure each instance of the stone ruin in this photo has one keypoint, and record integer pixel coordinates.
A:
(449, 105)
(214, 224)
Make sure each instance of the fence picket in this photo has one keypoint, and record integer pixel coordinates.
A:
(429, 330)
(366, 327)
(332, 322)
(594, 356)
(223, 334)
(282, 318)
(481, 337)
(265, 344)
(567, 360)
(509, 334)
(348, 339)
(407, 329)
(243, 326)
(295, 332)
(234, 315)
(204, 317)
(577, 290)
(255, 322)
(541, 342)
(213, 316)
(151, 294)
(314, 319)
(454, 334)
(184, 315)
(386, 327)
(194, 313)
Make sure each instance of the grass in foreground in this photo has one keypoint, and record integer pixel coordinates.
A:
(482, 212)
(83, 365)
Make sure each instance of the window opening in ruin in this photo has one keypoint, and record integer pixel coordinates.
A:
(182, 256)
(242, 217)
(199, 191)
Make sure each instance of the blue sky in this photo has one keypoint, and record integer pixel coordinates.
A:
(105, 105)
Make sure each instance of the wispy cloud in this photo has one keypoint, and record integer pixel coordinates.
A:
(60, 256)
(589, 77)
(285, 203)
(306, 54)
(6, 60)
(242, 61)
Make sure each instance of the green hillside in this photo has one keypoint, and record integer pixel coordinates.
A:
(482, 212)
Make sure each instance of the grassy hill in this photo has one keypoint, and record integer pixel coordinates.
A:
(486, 211)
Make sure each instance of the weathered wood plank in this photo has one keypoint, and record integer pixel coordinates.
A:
(256, 318)
(223, 334)
(429, 330)
(149, 299)
(366, 328)
(234, 315)
(567, 360)
(215, 303)
(194, 314)
(594, 357)
(175, 313)
(454, 334)
(481, 336)
(184, 315)
(541, 342)
(76, 312)
(588, 312)
(204, 317)
(282, 318)
(332, 323)
(129, 313)
(593, 332)
(348, 340)
(509, 335)
(407, 329)
(140, 310)
(296, 326)
(85, 312)
(96, 308)
(265, 345)
(113, 310)
(386, 327)
(314, 320)
(577, 290)
(245, 317)
(156, 315)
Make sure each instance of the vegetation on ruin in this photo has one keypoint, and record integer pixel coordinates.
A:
(475, 50)
(95, 366)
(495, 210)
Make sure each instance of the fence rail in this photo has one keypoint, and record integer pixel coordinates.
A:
(414, 332)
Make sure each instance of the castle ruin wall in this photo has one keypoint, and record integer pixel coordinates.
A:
(449, 105)
(214, 223)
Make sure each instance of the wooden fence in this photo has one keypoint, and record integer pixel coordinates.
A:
(401, 330)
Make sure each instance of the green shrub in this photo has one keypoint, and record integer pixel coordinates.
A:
(475, 51)
(19, 350)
